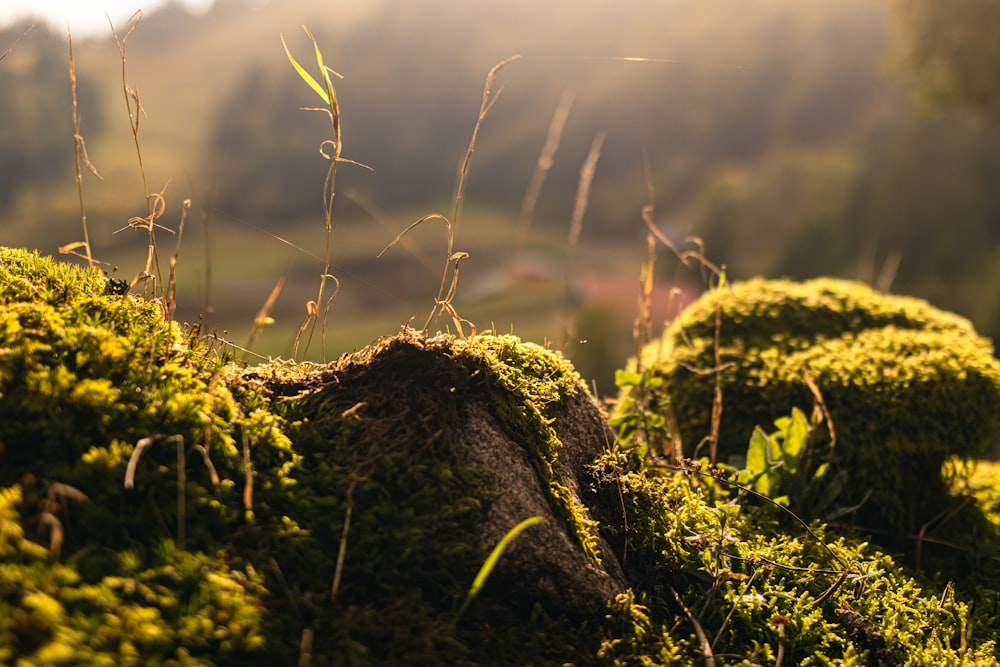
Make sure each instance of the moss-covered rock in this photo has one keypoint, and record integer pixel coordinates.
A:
(338, 514)
(349, 505)
(907, 385)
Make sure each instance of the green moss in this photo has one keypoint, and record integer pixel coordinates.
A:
(326, 509)
(756, 591)
(907, 385)
(177, 606)
(283, 465)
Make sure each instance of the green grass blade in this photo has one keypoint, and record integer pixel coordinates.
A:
(491, 562)
(331, 93)
(306, 76)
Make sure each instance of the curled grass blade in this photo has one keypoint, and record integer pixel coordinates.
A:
(412, 225)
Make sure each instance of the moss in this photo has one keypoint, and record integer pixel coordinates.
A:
(326, 510)
(907, 385)
(756, 591)
(278, 460)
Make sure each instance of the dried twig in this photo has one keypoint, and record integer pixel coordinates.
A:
(703, 643)
(17, 41)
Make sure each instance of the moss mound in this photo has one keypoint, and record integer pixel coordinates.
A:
(907, 386)
(337, 514)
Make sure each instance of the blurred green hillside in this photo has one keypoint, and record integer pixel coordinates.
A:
(777, 132)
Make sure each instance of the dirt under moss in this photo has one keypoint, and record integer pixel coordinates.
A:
(338, 514)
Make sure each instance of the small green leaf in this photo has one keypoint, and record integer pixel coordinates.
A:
(757, 462)
(774, 449)
(331, 94)
(624, 378)
(795, 441)
(757, 452)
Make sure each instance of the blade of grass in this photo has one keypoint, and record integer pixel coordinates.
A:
(491, 562)
(328, 94)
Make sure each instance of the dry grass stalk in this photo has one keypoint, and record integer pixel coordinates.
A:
(642, 330)
(13, 45)
(443, 300)
(342, 549)
(58, 492)
(643, 325)
(155, 202)
(713, 438)
(170, 298)
(305, 648)
(448, 289)
(248, 473)
(56, 533)
(331, 150)
(263, 317)
(489, 99)
(704, 645)
(80, 153)
(542, 167)
(580, 203)
(213, 474)
(140, 448)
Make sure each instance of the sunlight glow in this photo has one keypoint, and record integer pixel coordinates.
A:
(86, 18)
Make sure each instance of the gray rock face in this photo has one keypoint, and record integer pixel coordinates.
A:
(545, 562)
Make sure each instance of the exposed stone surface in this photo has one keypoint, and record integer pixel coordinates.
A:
(545, 562)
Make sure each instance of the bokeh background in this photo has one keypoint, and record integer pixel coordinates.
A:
(856, 138)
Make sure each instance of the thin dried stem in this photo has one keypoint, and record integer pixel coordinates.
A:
(587, 171)
(155, 202)
(342, 549)
(170, 298)
(80, 151)
(703, 643)
(263, 317)
(56, 533)
(489, 99)
(248, 473)
(181, 488)
(544, 164)
(17, 41)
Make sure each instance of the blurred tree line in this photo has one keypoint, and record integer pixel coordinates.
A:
(35, 114)
(782, 134)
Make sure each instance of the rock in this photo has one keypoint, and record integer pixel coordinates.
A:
(546, 563)
(562, 562)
